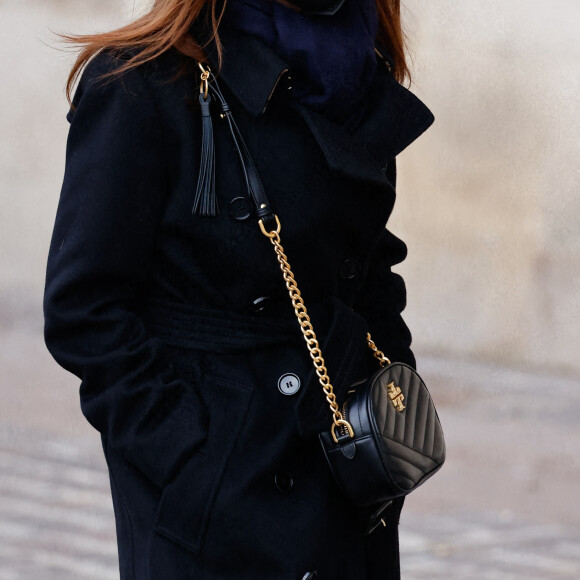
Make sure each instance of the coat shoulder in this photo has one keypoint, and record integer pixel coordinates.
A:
(105, 73)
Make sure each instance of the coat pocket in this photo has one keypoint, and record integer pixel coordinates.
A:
(187, 501)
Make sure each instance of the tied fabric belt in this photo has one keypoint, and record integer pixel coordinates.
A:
(340, 330)
(214, 330)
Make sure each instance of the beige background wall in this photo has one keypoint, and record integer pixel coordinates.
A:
(487, 202)
(489, 198)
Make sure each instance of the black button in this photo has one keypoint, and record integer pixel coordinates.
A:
(240, 208)
(284, 482)
(261, 303)
(310, 576)
(349, 268)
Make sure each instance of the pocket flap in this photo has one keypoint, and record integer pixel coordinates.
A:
(187, 501)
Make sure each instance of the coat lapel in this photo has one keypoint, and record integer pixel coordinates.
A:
(393, 119)
(396, 118)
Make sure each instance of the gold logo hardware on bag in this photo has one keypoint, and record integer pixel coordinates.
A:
(396, 396)
(386, 439)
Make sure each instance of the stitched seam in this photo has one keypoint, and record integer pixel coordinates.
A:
(391, 453)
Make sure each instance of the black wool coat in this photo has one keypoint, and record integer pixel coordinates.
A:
(180, 327)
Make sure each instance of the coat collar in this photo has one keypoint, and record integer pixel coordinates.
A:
(250, 68)
(395, 117)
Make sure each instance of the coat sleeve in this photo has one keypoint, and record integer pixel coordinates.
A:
(115, 183)
(382, 296)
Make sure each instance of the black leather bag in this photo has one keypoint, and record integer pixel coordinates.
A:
(386, 440)
(397, 441)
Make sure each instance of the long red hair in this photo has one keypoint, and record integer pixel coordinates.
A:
(168, 22)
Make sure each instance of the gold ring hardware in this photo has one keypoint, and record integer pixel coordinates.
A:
(344, 423)
(273, 232)
(204, 86)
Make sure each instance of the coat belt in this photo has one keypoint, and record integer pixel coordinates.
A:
(214, 330)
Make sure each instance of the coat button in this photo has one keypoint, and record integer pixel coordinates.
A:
(261, 303)
(283, 482)
(239, 208)
(289, 384)
(349, 268)
(310, 576)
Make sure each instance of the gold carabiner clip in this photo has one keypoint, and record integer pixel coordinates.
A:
(204, 86)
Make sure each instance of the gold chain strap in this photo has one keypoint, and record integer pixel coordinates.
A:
(309, 334)
(378, 354)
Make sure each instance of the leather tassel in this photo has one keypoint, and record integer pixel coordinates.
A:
(205, 202)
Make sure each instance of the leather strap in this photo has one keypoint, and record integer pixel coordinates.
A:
(252, 180)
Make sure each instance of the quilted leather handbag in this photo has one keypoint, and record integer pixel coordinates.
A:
(386, 439)
(395, 442)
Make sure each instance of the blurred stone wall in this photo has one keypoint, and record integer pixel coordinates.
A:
(487, 198)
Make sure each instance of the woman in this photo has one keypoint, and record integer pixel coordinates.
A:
(179, 325)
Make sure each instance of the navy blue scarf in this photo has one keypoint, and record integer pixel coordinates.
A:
(332, 58)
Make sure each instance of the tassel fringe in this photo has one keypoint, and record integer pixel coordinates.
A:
(205, 202)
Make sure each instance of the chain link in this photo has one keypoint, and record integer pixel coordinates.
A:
(310, 336)
(378, 354)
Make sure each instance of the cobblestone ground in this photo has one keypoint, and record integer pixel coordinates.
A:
(56, 519)
(487, 547)
(57, 524)
(505, 505)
